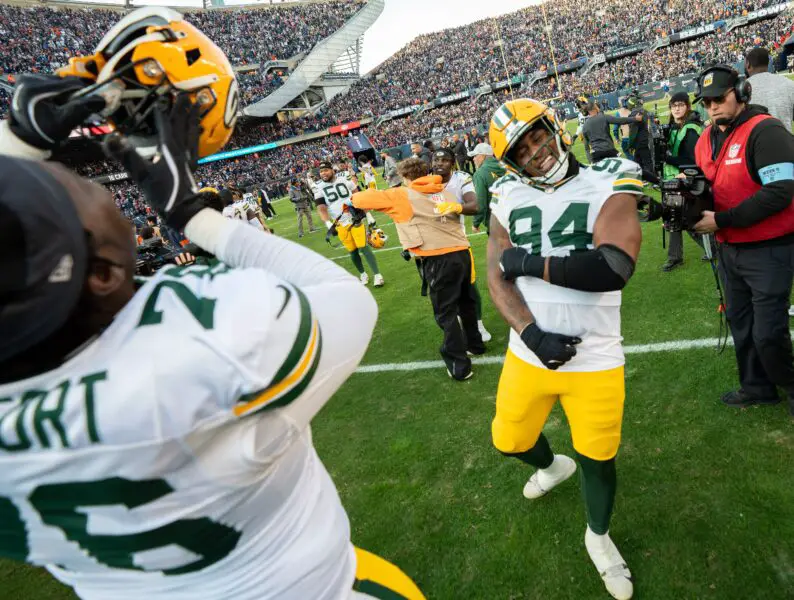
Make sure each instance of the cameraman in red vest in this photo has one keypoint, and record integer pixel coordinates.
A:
(748, 157)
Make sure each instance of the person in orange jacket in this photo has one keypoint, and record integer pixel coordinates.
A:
(426, 218)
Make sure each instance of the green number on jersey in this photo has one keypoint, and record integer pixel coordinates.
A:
(610, 165)
(342, 191)
(529, 238)
(203, 309)
(13, 536)
(63, 505)
(569, 230)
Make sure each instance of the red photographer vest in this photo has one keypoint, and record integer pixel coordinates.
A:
(731, 184)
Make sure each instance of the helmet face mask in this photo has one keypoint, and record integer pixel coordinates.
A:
(151, 54)
(531, 143)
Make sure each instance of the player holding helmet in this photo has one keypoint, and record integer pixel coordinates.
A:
(154, 438)
(564, 241)
(336, 191)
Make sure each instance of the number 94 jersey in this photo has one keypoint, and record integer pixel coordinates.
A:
(557, 224)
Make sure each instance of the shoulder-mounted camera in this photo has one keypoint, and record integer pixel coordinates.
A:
(683, 201)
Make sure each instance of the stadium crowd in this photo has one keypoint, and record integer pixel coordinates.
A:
(41, 39)
(669, 61)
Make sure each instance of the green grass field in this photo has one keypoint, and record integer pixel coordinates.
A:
(704, 507)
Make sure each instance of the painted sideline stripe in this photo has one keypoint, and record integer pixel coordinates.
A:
(393, 247)
(673, 346)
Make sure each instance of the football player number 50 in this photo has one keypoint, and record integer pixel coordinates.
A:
(67, 506)
(341, 192)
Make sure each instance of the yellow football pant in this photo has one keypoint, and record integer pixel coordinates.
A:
(351, 237)
(378, 578)
(593, 405)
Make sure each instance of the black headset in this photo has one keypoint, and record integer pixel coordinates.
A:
(742, 88)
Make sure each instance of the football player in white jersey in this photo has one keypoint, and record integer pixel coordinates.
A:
(365, 165)
(581, 118)
(245, 208)
(564, 241)
(460, 184)
(154, 439)
(336, 190)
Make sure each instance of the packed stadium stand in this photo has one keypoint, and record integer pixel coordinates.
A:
(41, 39)
(439, 83)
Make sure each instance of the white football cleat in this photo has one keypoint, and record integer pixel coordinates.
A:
(364, 278)
(544, 480)
(378, 281)
(484, 333)
(609, 564)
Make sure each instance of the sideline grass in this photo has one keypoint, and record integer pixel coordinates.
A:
(704, 505)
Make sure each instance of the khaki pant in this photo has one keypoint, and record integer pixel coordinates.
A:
(304, 211)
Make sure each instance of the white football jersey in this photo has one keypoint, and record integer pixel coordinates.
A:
(334, 194)
(556, 224)
(159, 462)
(239, 210)
(459, 184)
(581, 119)
(369, 173)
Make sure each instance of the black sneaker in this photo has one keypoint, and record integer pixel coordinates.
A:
(468, 375)
(672, 264)
(741, 399)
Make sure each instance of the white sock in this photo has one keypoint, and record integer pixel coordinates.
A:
(596, 540)
(555, 469)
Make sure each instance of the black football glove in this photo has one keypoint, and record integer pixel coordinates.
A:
(167, 179)
(553, 349)
(42, 111)
(517, 262)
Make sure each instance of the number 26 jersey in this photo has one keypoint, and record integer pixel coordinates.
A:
(558, 224)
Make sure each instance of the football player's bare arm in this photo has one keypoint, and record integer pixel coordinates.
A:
(606, 268)
(322, 210)
(470, 206)
(504, 293)
(617, 225)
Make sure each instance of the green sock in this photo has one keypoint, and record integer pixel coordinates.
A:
(356, 258)
(599, 483)
(539, 456)
(477, 301)
(373, 264)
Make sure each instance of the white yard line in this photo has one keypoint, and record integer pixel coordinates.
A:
(498, 360)
(343, 256)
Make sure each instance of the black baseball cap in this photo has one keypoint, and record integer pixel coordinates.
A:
(325, 165)
(44, 251)
(444, 153)
(681, 96)
(716, 82)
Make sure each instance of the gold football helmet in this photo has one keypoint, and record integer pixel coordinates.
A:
(376, 238)
(153, 52)
(512, 121)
